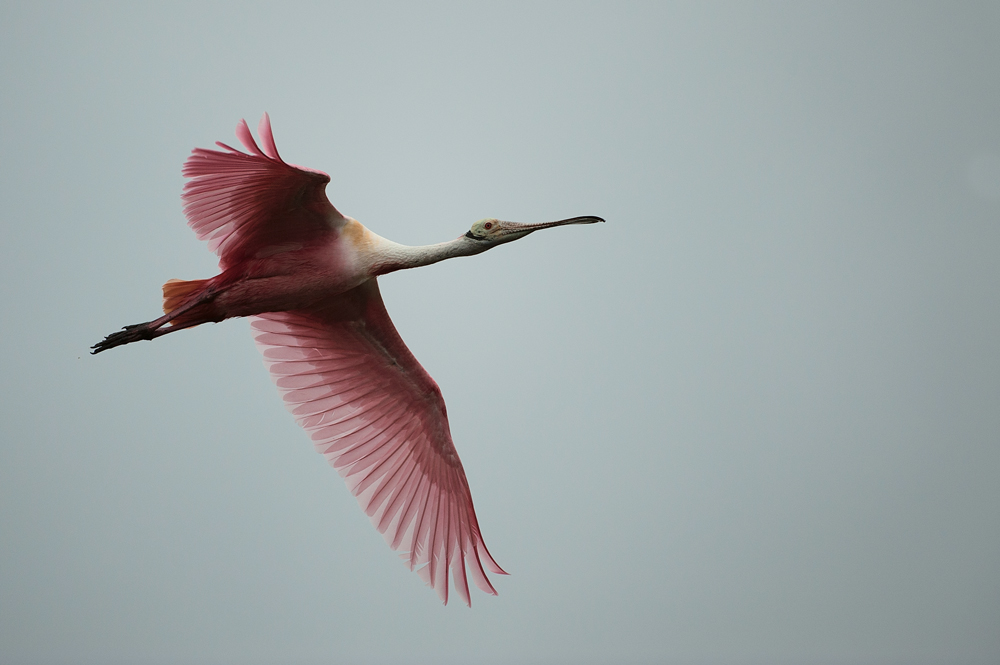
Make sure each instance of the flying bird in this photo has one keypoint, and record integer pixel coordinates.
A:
(307, 276)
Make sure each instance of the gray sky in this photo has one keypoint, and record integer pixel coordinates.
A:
(753, 418)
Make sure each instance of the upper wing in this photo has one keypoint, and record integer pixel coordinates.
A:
(245, 204)
(380, 420)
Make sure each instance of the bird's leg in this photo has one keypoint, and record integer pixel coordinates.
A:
(149, 330)
(136, 333)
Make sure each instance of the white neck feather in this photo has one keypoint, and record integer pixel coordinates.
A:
(387, 256)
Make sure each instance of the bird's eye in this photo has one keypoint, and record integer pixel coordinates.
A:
(488, 225)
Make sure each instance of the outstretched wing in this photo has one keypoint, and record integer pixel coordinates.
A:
(246, 205)
(380, 420)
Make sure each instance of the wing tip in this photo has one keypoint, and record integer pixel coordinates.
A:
(246, 138)
(267, 137)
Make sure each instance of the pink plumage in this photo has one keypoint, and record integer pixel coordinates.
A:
(307, 275)
(242, 203)
(380, 420)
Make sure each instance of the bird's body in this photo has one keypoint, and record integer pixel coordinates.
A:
(307, 275)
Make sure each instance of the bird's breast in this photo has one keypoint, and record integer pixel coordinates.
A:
(360, 250)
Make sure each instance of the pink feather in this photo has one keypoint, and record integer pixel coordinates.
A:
(243, 204)
(380, 420)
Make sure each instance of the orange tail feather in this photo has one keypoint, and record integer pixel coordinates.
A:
(176, 292)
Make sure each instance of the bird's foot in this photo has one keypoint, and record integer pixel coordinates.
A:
(133, 333)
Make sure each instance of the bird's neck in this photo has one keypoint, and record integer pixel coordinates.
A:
(386, 256)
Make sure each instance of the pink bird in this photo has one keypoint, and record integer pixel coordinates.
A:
(307, 277)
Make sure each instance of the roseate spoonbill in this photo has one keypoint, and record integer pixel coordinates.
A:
(307, 277)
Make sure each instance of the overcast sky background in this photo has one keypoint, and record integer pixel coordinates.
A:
(753, 418)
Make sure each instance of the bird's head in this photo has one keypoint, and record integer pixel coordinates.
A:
(490, 232)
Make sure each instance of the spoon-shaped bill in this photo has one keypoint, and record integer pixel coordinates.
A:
(515, 227)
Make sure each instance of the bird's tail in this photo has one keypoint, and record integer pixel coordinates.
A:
(185, 304)
(177, 292)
